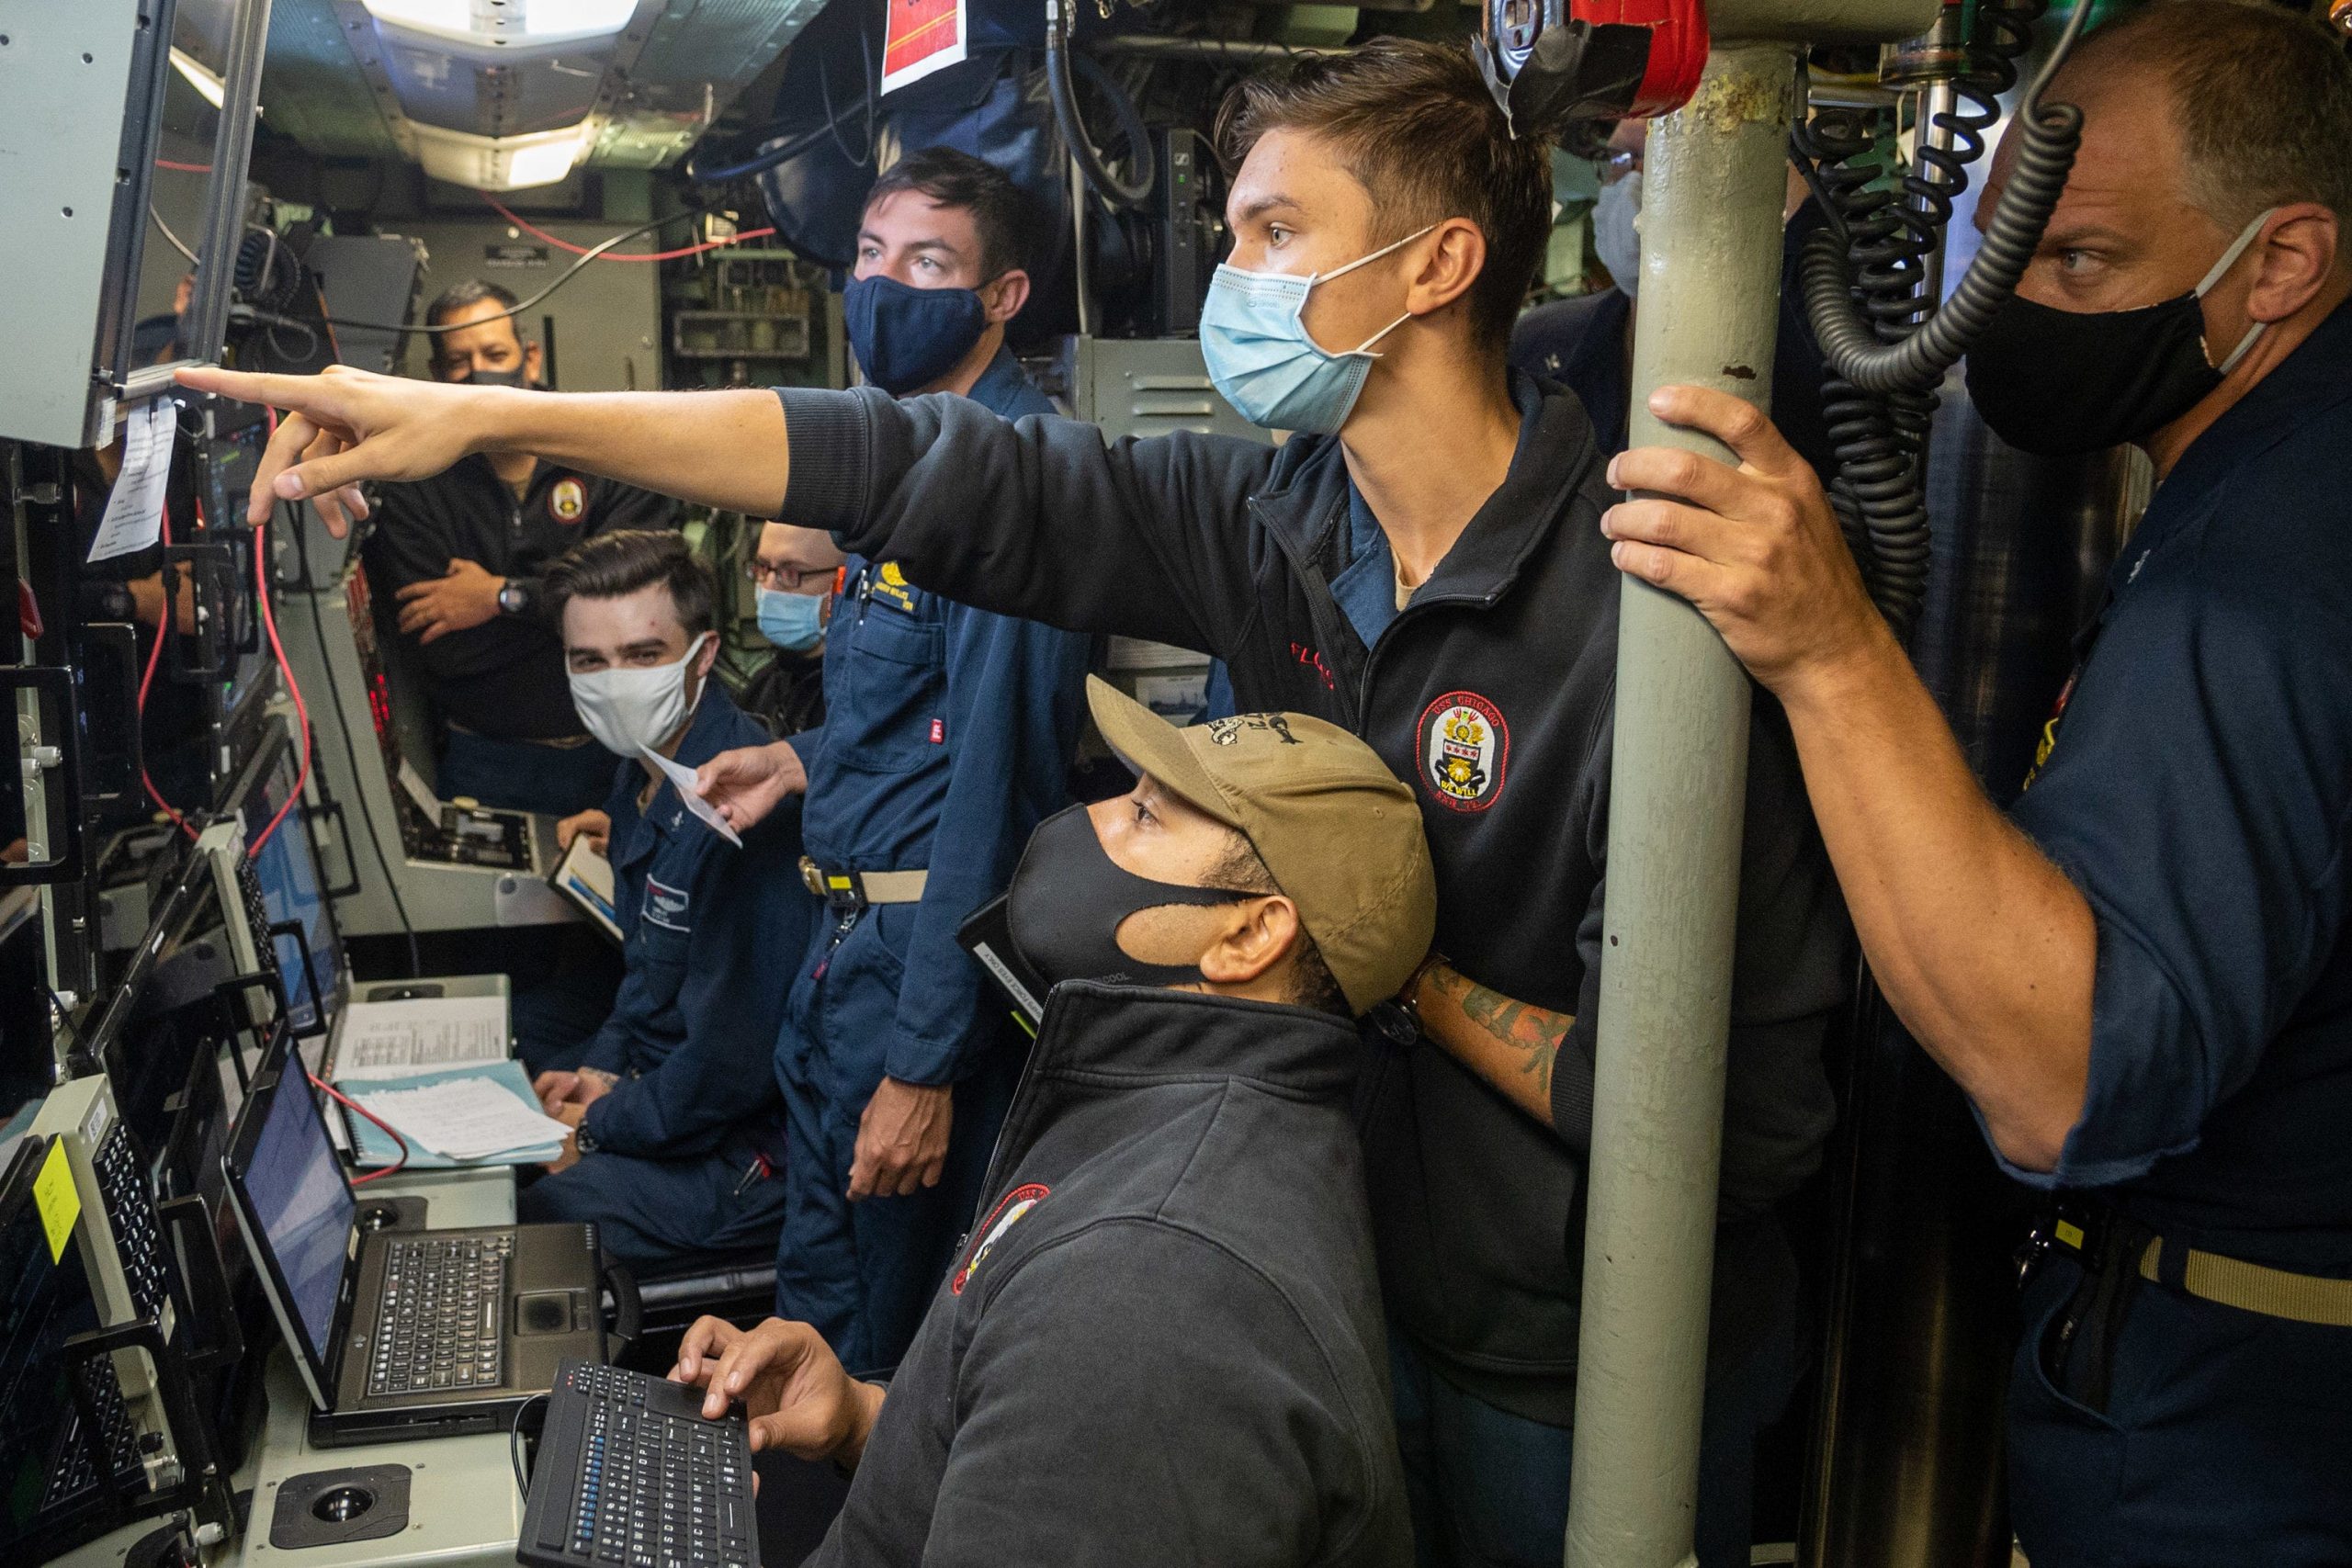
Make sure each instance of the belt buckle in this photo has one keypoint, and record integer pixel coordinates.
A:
(842, 891)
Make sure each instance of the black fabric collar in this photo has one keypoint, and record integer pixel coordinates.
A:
(1163, 1036)
(1307, 497)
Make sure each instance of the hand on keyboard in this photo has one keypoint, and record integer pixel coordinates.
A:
(794, 1391)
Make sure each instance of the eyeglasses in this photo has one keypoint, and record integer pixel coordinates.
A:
(1615, 166)
(784, 579)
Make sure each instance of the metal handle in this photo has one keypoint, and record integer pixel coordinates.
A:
(56, 754)
(221, 1341)
(117, 641)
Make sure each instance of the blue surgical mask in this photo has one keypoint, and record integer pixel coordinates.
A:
(793, 622)
(1264, 363)
(905, 338)
(1616, 237)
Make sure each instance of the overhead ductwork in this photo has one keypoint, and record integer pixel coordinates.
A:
(505, 95)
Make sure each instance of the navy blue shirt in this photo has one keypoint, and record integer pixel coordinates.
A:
(693, 1028)
(2199, 790)
(947, 737)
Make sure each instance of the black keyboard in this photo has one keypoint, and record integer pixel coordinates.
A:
(630, 1475)
(130, 1212)
(442, 1321)
(75, 1469)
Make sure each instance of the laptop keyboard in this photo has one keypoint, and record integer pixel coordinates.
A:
(75, 1470)
(130, 1212)
(442, 1321)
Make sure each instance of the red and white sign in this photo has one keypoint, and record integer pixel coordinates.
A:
(920, 37)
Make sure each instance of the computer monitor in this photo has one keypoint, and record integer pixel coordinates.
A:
(293, 892)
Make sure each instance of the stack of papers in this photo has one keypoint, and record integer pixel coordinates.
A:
(468, 1116)
(390, 1039)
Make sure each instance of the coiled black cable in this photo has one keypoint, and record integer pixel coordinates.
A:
(1864, 279)
(1133, 191)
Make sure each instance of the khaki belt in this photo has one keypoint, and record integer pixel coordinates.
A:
(2251, 1287)
(856, 889)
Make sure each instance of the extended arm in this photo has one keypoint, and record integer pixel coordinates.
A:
(1981, 943)
(724, 449)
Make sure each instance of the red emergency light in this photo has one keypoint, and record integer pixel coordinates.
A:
(1554, 61)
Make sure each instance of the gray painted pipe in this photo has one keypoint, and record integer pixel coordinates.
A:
(1710, 299)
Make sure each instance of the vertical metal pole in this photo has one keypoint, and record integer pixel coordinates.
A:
(1710, 293)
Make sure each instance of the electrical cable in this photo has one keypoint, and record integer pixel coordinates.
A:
(155, 656)
(783, 152)
(286, 672)
(589, 254)
(515, 1442)
(1132, 192)
(351, 752)
(177, 244)
(832, 121)
(2050, 134)
(1864, 276)
(537, 234)
(350, 1104)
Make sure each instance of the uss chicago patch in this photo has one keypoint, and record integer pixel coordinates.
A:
(569, 500)
(1008, 1212)
(1464, 752)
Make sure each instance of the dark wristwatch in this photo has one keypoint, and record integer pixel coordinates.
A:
(517, 596)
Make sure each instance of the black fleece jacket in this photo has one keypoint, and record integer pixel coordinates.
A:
(1492, 692)
(1161, 1343)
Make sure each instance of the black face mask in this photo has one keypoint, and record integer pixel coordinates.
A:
(478, 378)
(2059, 382)
(1068, 898)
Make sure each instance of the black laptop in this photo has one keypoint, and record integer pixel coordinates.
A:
(61, 1483)
(399, 1334)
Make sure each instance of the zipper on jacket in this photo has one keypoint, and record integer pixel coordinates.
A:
(1004, 1129)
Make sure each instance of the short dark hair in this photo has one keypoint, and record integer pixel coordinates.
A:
(463, 295)
(614, 565)
(1419, 130)
(1312, 983)
(1000, 208)
(2262, 97)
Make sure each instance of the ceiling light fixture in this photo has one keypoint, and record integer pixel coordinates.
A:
(502, 22)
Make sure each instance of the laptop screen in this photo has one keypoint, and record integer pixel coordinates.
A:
(291, 891)
(303, 1203)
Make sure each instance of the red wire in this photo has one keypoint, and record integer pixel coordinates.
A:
(154, 657)
(348, 1103)
(184, 168)
(615, 256)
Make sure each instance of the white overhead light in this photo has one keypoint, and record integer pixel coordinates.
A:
(498, 162)
(207, 83)
(502, 22)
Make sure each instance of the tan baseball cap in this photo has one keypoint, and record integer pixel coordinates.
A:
(1340, 832)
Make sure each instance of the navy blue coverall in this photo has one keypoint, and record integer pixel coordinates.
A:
(2197, 786)
(677, 1157)
(947, 736)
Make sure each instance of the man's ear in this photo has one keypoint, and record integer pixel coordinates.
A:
(1012, 294)
(709, 657)
(2297, 258)
(530, 363)
(1453, 254)
(1261, 937)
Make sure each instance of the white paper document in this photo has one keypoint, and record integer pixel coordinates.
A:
(394, 1039)
(464, 1118)
(683, 778)
(134, 517)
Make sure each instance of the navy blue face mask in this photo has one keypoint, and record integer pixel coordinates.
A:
(905, 338)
